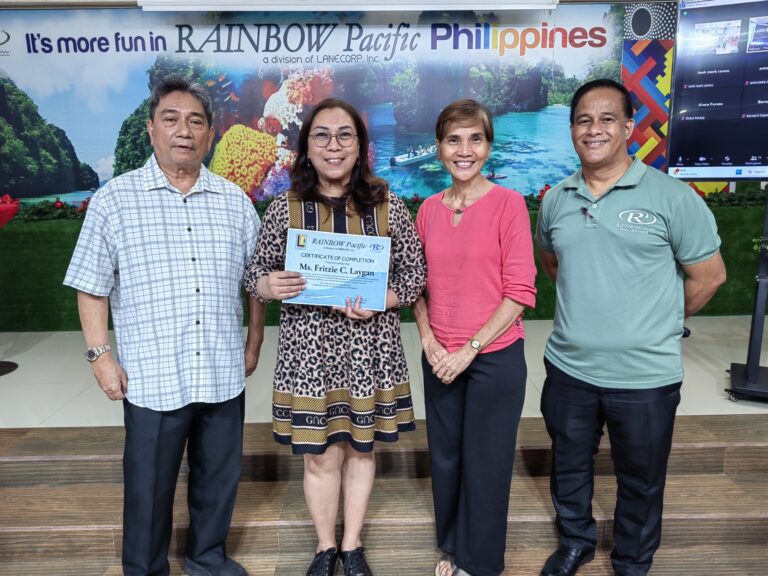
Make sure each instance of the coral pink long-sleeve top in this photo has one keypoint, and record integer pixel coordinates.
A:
(472, 266)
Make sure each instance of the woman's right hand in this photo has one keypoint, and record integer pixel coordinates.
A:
(280, 285)
(433, 350)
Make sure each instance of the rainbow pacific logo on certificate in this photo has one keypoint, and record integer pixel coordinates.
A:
(339, 266)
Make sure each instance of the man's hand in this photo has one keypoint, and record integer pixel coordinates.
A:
(702, 281)
(110, 376)
(251, 359)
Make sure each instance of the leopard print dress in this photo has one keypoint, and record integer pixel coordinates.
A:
(339, 379)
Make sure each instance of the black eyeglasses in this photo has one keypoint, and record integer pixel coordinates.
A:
(322, 138)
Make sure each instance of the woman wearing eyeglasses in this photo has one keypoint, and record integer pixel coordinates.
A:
(341, 380)
(477, 242)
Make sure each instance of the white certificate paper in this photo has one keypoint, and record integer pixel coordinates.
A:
(339, 266)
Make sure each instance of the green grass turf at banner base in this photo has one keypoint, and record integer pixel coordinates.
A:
(34, 258)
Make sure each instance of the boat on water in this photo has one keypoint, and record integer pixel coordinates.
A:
(494, 176)
(412, 157)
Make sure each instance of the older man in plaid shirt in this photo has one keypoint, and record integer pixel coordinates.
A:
(166, 245)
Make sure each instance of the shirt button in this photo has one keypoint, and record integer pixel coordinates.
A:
(197, 289)
(197, 322)
(185, 200)
(189, 229)
(197, 353)
(594, 205)
(194, 259)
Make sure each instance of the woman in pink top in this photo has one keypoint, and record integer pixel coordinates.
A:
(480, 278)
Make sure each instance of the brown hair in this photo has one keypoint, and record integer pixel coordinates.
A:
(464, 112)
(364, 188)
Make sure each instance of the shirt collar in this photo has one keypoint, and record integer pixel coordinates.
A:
(629, 179)
(155, 178)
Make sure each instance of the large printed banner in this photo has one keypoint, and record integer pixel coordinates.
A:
(74, 86)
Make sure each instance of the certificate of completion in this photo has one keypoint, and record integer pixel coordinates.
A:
(339, 266)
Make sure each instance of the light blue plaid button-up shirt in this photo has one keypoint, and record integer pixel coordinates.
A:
(172, 266)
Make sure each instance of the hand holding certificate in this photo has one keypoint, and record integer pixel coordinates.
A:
(339, 267)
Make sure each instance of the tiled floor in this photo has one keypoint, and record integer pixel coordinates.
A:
(53, 385)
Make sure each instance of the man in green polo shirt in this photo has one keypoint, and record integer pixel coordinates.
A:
(633, 252)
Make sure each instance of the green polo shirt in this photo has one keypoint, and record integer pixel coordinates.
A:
(620, 302)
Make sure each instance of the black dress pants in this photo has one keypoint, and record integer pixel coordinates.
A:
(472, 430)
(640, 425)
(154, 448)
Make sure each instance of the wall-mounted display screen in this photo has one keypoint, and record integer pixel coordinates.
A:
(719, 121)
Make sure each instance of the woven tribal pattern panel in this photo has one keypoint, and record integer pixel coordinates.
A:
(646, 71)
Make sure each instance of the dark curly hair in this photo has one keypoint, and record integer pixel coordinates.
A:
(365, 189)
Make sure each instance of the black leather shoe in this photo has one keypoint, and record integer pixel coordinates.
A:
(354, 563)
(324, 563)
(566, 561)
(229, 568)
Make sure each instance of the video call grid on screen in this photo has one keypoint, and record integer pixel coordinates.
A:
(719, 120)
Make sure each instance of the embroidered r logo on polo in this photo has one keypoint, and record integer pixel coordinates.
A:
(636, 220)
(638, 217)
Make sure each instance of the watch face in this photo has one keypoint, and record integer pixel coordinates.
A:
(475, 344)
(91, 355)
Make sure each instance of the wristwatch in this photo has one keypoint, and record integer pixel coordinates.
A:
(475, 344)
(92, 354)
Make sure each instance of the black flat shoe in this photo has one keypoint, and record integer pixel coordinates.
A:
(566, 561)
(354, 563)
(324, 563)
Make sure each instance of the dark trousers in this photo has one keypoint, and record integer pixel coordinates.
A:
(640, 424)
(472, 430)
(154, 448)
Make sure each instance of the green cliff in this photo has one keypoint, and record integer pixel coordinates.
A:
(36, 158)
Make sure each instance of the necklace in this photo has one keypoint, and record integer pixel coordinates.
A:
(460, 210)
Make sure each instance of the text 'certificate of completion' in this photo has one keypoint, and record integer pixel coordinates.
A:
(339, 266)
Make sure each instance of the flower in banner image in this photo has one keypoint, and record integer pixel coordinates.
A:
(277, 181)
(269, 125)
(244, 156)
(83, 205)
(9, 207)
(282, 109)
(285, 157)
(268, 88)
(308, 87)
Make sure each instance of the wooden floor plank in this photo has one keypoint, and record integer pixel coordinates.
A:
(701, 496)
(61, 503)
(58, 456)
(107, 441)
(694, 561)
(272, 517)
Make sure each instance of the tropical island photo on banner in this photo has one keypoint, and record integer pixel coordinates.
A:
(74, 87)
